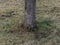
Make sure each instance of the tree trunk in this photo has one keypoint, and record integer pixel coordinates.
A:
(30, 10)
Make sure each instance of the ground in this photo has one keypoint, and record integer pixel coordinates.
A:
(12, 15)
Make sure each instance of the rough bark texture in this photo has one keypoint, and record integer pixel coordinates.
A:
(30, 10)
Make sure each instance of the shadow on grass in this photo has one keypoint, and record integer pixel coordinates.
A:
(45, 28)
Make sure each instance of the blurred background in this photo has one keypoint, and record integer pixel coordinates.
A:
(48, 22)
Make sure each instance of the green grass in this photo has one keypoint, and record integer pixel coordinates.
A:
(47, 21)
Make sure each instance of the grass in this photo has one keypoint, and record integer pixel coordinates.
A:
(47, 16)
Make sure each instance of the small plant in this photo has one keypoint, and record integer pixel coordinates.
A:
(45, 23)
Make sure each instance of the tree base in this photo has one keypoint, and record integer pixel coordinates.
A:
(29, 28)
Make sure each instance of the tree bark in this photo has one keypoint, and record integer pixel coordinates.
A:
(30, 10)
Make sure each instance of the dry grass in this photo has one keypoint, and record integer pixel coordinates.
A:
(11, 16)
